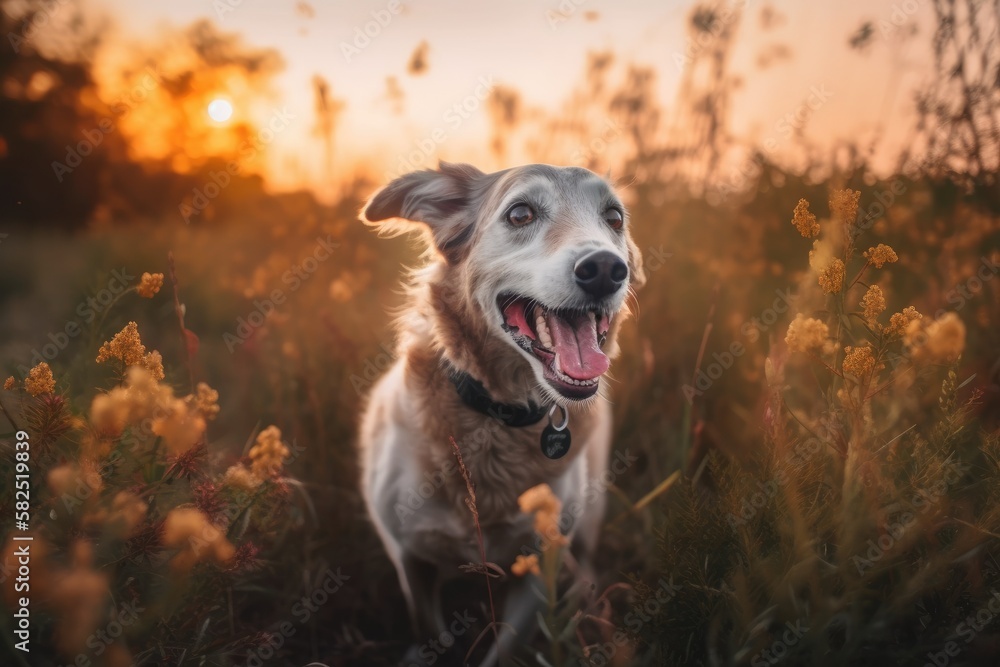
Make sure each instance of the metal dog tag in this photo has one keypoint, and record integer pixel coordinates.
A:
(555, 443)
(556, 439)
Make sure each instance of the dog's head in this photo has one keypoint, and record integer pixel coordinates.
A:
(543, 254)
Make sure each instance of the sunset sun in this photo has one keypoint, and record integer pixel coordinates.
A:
(220, 110)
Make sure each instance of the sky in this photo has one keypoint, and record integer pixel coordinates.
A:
(539, 48)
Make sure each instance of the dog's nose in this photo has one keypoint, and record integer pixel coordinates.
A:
(600, 273)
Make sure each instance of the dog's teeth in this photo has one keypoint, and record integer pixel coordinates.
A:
(543, 332)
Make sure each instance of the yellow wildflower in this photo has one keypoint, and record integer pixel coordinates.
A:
(205, 400)
(144, 394)
(180, 428)
(858, 361)
(880, 255)
(539, 498)
(109, 416)
(942, 342)
(546, 507)
(525, 564)
(805, 221)
(832, 277)
(240, 477)
(40, 380)
(190, 531)
(807, 334)
(873, 303)
(10, 383)
(844, 205)
(899, 322)
(60, 479)
(67, 478)
(153, 362)
(78, 596)
(149, 285)
(268, 455)
(142, 397)
(126, 346)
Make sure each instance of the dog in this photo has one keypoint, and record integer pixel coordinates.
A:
(502, 345)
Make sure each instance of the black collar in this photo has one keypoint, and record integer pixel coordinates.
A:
(474, 395)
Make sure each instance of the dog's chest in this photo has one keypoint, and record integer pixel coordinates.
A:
(504, 462)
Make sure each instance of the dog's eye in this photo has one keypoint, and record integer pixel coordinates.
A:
(520, 215)
(614, 218)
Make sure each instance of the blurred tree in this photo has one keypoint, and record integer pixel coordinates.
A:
(46, 132)
(959, 112)
(90, 133)
(418, 61)
(505, 113)
(328, 109)
(167, 120)
(701, 124)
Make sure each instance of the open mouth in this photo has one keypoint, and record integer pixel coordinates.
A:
(567, 342)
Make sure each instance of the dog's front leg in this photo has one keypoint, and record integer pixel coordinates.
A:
(423, 597)
(518, 621)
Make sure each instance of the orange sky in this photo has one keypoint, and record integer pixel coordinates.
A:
(522, 44)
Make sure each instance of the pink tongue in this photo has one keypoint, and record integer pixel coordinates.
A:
(575, 341)
(514, 316)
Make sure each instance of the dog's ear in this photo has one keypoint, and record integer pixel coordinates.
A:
(637, 275)
(436, 198)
